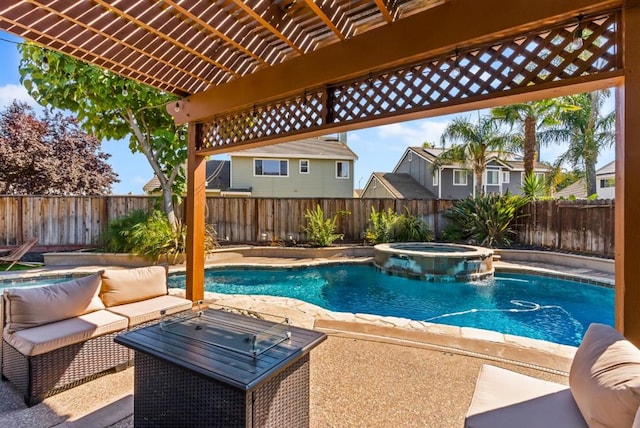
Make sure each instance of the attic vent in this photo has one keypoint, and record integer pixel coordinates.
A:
(410, 156)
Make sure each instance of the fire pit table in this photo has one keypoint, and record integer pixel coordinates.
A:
(217, 367)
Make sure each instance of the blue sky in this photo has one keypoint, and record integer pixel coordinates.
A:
(378, 149)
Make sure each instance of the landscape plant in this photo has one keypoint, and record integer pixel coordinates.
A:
(389, 226)
(411, 228)
(534, 187)
(485, 219)
(321, 231)
(381, 226)
(152, 235)
(111, 106)
(50, 155)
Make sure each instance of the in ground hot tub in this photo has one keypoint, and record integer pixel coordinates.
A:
(434, 261)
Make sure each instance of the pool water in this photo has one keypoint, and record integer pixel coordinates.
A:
(524, 305)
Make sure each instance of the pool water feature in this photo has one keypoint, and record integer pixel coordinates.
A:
(524, 305)
(435, 261)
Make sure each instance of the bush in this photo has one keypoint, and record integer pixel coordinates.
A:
(388, 226)
(411, 228)
(151, 235)
(486, 218)
(381, 226)
(321, 231)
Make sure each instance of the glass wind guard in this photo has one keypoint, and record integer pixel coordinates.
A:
(246, 332)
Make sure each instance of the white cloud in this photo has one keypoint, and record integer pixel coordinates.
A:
(11, 92)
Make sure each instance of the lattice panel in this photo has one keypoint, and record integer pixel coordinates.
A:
(275, 119)
(528, 60)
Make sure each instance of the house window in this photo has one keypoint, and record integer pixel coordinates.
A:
(607, 182)
(436, 178)
(459, 177)
(271, 167)
(493, 176)
(304, 166)
(342, 169)
(539, 176)
(505, 176)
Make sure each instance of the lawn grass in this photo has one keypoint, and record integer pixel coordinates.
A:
(17, 266)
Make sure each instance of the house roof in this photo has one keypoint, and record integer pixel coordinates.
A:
(577, 190)
(402, 186)
(609, 168)
(308, 148)
(510, 160)
(218, 176)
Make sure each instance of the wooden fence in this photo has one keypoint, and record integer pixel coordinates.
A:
(582, 226)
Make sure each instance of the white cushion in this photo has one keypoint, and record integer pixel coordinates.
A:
(147, 310)
(49, 337)
(506, 399)
(31, 307)
(132, 285)
(605, 378)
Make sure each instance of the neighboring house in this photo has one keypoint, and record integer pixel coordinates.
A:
(218, 176)
(310, 168)
(606, 181)
(605, 185)
(503, 173)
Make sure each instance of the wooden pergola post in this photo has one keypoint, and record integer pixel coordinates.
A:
(196, 200)
(627, 239)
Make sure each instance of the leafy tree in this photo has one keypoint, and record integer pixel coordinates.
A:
(531, 119)
(50, 156)
(587, 132)
(110, 106)
(472, 144)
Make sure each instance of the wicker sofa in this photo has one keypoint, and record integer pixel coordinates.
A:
(60, 335)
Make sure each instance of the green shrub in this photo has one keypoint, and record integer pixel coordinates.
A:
(382, 226)
(534, 188)
(486, 218)
(116, 238)
(320, 230)
(151, 235)
(411, 228)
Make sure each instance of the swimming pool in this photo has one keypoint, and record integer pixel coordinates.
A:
(525, 305)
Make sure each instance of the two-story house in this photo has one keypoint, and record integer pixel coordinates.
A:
(309, 168)
(416, 174)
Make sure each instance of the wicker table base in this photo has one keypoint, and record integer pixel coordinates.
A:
(167, 395)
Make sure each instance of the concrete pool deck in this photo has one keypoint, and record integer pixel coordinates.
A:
(399, 372)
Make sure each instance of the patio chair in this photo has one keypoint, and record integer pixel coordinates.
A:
(14, 256)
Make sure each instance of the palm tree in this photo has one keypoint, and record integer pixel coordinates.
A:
(530, 119)
(471, 145)
(587, 132)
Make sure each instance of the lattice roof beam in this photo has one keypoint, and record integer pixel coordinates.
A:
(269, 16)
(43, 39)
(213, 30)
(106, 36)
(388, 9)
(333, 17)
(150, 29)
(419, 36)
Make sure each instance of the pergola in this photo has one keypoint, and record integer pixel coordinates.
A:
(258, 72)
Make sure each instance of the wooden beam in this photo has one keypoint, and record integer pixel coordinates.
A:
(423, 35)
(387, 10)
(196, 200)
(333, 17)
(627, 234)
